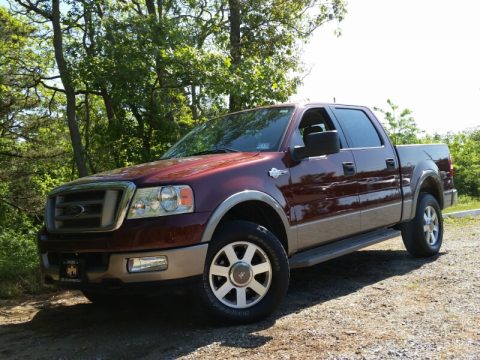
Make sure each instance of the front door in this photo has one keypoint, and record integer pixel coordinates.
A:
(323, 189)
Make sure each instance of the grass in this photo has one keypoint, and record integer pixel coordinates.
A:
(465, 202)
(468, 221)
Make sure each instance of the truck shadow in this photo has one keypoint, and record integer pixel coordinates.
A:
(174, 326)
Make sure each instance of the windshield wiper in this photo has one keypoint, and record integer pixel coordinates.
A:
(216, 150)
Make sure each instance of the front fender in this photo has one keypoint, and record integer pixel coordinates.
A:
(244, 196)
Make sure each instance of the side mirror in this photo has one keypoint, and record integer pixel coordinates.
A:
(318, 144)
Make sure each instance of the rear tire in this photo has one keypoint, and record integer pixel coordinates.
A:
(423, 235)
(246, 273)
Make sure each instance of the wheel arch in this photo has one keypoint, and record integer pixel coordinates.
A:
(255, 206)
(429, 183)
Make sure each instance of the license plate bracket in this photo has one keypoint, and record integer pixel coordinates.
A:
(72, 270)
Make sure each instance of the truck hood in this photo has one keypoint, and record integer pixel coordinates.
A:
(173, 170)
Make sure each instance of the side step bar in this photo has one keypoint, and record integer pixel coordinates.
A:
(338, 248)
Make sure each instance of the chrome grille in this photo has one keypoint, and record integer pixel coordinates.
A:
(94, 207)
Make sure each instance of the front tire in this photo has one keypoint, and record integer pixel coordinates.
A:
(246, 273)
(423, 235)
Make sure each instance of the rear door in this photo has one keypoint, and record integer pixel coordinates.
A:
(323, 189)
(377, 171)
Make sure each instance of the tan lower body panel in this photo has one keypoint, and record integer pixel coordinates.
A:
(182, 263)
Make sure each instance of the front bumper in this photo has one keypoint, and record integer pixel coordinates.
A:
(182, 263)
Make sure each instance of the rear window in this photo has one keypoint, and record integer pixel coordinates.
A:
(359, 128)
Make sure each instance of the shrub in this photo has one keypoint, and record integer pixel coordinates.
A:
(19, 263)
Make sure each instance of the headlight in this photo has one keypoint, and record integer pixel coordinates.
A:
(161, 201)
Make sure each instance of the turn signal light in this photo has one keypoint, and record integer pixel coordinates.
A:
(186, 196)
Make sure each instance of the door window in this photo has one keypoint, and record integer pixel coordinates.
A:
(313, 120)
(358, 128)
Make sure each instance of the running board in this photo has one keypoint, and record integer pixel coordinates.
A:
(338, 248)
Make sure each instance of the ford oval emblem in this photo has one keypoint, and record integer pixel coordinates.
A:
(74, 210)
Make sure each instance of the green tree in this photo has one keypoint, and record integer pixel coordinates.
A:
(158, 67)
(31, 128)
(262, 43)
(400, 126)
(465, 152)
(49, 11)
(34, 148)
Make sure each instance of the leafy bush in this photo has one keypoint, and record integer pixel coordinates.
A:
(465, 149)
(19, 263)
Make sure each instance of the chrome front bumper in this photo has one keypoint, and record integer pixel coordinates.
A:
(182, 263)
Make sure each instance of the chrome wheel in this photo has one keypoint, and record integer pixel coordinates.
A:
(240, 274)
(431, 225)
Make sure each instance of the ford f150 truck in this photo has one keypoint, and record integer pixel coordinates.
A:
(242, 199)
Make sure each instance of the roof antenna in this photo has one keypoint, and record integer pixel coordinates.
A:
(334, 100)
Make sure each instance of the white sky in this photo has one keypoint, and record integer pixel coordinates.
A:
(422, 54)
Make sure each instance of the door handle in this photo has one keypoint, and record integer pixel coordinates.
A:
(390, 163)
(349, 168)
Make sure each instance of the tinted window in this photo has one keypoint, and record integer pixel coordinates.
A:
(358, 128)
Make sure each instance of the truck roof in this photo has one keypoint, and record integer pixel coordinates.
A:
(303, 104)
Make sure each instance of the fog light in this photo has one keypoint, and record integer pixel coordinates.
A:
(145, 264)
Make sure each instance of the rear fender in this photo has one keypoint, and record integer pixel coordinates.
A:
(425, 171)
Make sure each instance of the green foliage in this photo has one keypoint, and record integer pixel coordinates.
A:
(465, 152)
(34, 150)
(268, 67)
(19, 265)
(146, 72)
(32, 134)
(401, 127)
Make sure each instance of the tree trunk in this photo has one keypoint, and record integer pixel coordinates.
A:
(151, 8)
(107, 101)
(69, 90)
(87, 132)
(142, 133)
(194, 104)
(153, 12)
(235, 101)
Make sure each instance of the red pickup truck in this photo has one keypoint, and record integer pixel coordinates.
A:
(242, 199)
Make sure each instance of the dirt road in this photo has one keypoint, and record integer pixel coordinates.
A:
(376, 303)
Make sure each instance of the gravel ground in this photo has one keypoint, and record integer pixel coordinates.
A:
(374, 304)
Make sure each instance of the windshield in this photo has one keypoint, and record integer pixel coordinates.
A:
(254, 130)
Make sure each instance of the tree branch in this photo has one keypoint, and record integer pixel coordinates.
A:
(29, 5)
(14, 206)
(81, 91)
